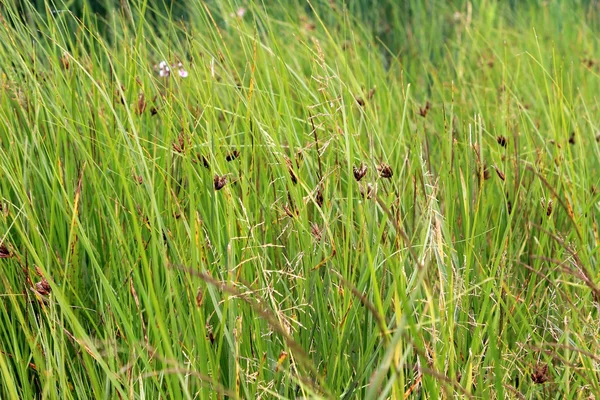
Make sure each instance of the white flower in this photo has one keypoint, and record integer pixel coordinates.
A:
(182, 72)
(240, 12)
(163, 69)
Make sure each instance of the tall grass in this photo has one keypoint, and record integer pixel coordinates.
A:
(337, 202)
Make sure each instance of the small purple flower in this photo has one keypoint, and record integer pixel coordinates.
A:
(182, 72)
(163, 69)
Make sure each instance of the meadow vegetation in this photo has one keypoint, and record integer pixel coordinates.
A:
(390, 199)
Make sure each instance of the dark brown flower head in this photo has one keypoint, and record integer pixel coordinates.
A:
(43, 287)
(153, 111)
(359, 101)
(359, 172)
(120, 96)
(385, 171)
(424, 110)
(202, 159)
(179, 146)
(572, 138)
(502, 141)
(368, 191)
(232, 156)
(220, 182)
(316, 231)
(549, 208)
(290, 168)
(289, 212)
(500, 173)
(65, 60)
(539, 375)
(371, 93)
(209, 333)
(486, 172)
(4, 251)
(319, 196)
(199, 297)
(141, 104)
(299, 158)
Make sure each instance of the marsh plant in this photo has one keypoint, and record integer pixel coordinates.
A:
(300, 200)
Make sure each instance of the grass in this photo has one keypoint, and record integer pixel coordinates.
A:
(209, 237)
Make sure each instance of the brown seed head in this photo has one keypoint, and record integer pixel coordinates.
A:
(500, 173)
(385, 171)
(232, 156)
(290, 167)
(319, 196)
(316, 231)
(359, 172)
(220, 182)
(288, 211)
(486, 172)
(502, 141)
(141, 104)
(539, 375)
(203, 160)
(43, 287)
(199, 297)
(179, 146)
(368, 191)
(4, 251)
(371, 93)
(424, 110)
(65, 60)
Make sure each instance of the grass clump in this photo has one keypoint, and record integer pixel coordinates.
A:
(312, 200)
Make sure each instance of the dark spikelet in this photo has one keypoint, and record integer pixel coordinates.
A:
(319, 196)
(502, 141)
(316, 231)
(220, 182)
(486, 173)
(290, 168)
(199, 298)
(4, 251)
(179, 146)
(141, 104)
(385, 171)
(288, 211)
(360, 101)
(43, 287)
(572, 138)
(65, 60)
(539, 375)
(549, 208)
(424, 110)
(232, 156)
(500, 173)
(371, 93)
(367, 191)
(203, 160)
(359, 172)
